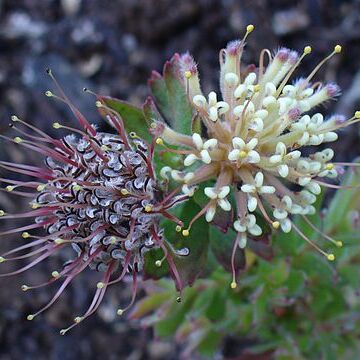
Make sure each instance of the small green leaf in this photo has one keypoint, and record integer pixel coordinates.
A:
(132, 116)
(209, 344)
(171, 98)
(278, 272)
(191, 265)
(181, 108)
(161, 157)
(148, 304)
(175, 316)
(196, 125)
(343, 201)
(159, 90)
(151, 113)
(217, 308)
(296, 282)
(151, 271)
(261, 246)
(203, 301)
(222, 247)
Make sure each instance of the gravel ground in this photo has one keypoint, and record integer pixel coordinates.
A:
(111, 47)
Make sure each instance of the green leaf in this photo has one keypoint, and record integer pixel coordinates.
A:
(148, 304)
(159, 90)
(196, 124)
(343, 201)
(278, 272)
(210, 343)
(222, 245)
(288, 243)
(191, 265)
(296, 282)
(203, 302)
(246, 316)
(171, 98)
(217, 308)
(151, 271)
(161, 158)
(151, 113)
(261, 246)
(188, 266)
(175, 316)
(132, 116)
(316, 266)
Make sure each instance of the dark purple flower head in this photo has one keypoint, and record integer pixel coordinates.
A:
(97, 194)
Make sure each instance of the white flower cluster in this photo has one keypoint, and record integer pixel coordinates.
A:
(251, 145)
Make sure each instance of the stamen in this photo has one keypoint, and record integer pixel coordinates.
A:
(134, 291)
(125, 268)
(337, 50)
(174, 271)
(307, 50)
(99, 294)
(186, 232)
(233, 284)
(335, 242)
(261, 62)
(27, 170)
(114, 120)
(28, 227)
(32, 264)
(158, 263)
(330, 257)
(160, 142)
(44, 150)
(75, 271)
(332, 186)
(83, 122)
(346, 164)
(265, 214)
(93, 144)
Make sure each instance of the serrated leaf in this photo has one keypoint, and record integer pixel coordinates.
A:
(171, 98)
(151, 113)
(159, 90)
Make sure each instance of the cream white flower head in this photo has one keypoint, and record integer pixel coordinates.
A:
(252, 139)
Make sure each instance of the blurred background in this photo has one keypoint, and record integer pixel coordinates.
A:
(111, 47)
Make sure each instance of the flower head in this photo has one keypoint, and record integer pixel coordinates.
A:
(253, 137)
(97, 193)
